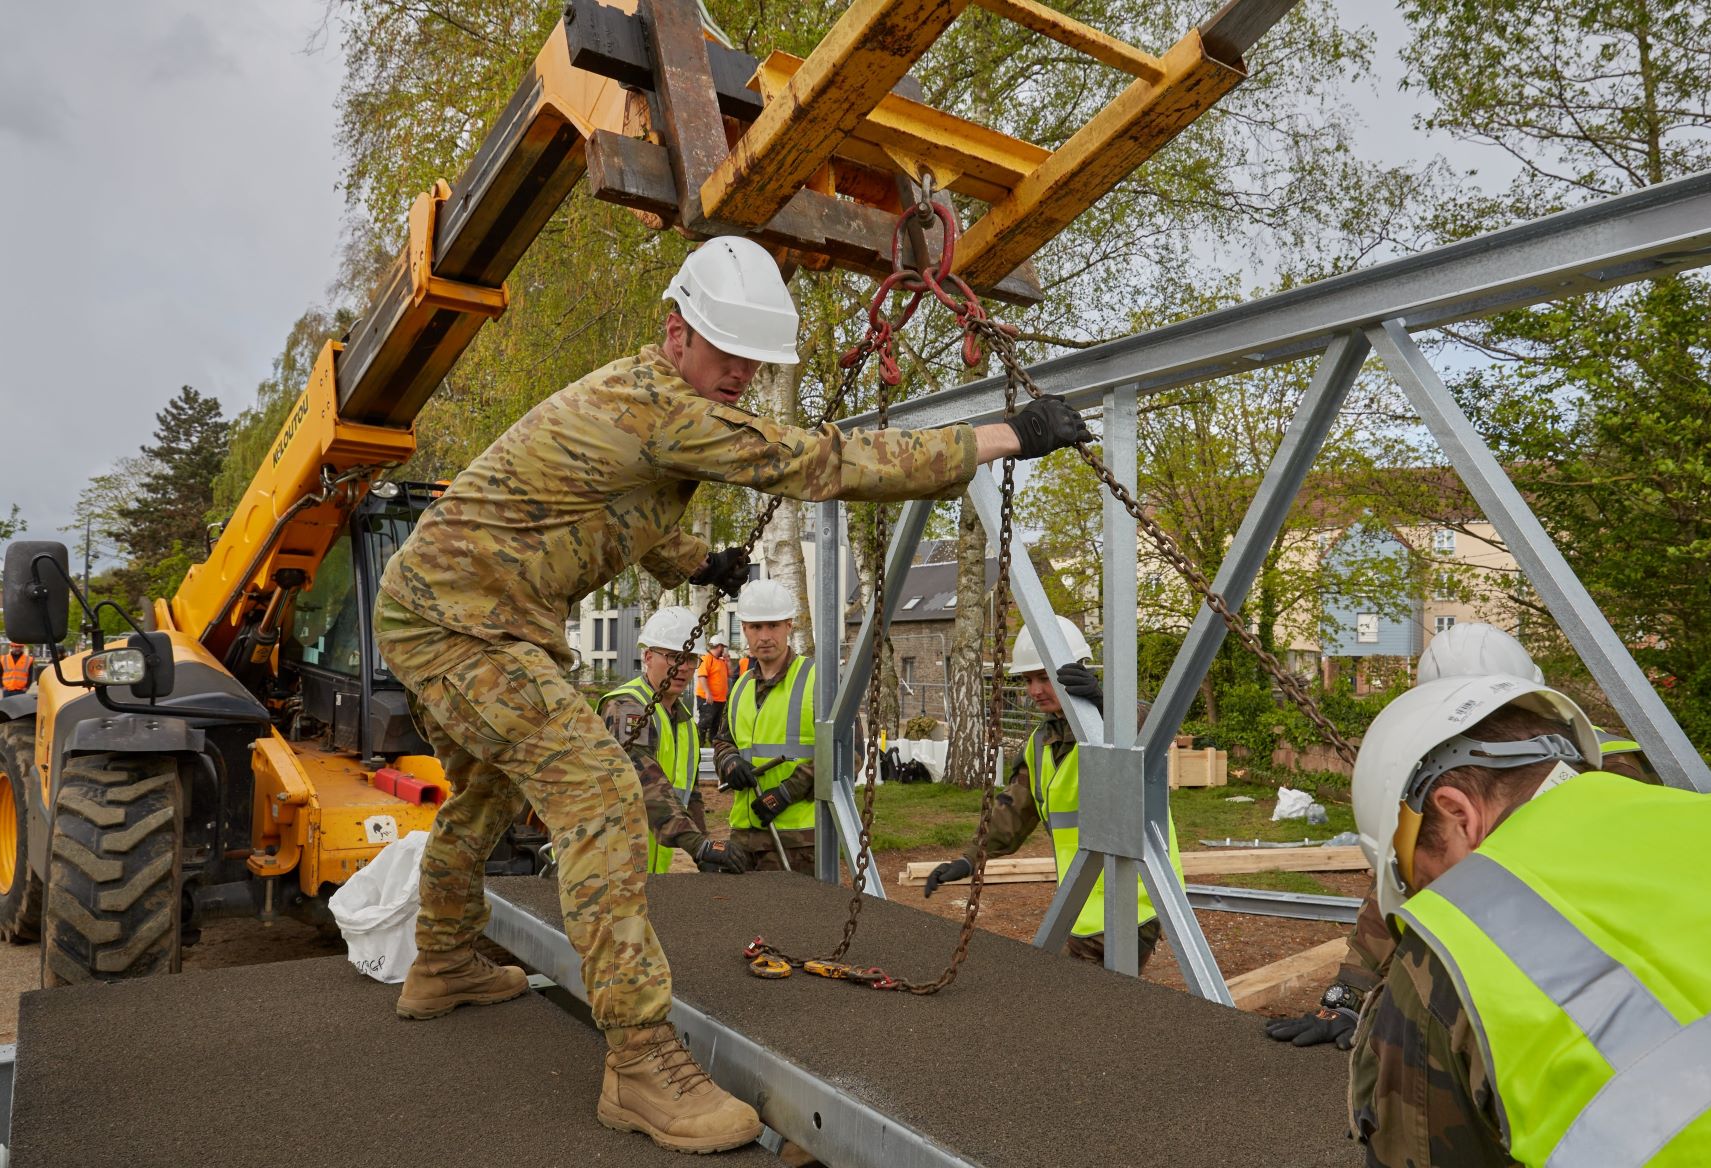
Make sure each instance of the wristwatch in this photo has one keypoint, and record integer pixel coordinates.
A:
(1342, 997)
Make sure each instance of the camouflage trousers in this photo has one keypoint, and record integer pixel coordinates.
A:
(1092, 948)
(763, 853)
(509, 729)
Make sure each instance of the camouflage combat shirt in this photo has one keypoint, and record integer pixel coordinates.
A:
(1419, 1090)
(1014, 813)
(598, 476)
(798, 784)
(673, 824)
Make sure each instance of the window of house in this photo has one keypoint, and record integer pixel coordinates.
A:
(612, 633)
(906, 672)
(911, 603)
(599, 634)
(1445, 587)
(951, 603)
(1366, 628)
(1444, 541)
(1443, 624)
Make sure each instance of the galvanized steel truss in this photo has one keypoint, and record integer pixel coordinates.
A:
(1124, 790)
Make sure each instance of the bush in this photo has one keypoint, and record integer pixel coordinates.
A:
(1249, 716)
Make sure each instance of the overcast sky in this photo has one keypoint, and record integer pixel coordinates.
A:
(170, 207)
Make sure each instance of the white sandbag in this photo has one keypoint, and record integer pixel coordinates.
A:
(1291, 804)
(376, 909)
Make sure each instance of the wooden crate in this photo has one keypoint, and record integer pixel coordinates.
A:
(1199, 768)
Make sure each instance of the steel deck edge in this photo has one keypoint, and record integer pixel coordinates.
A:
(803, 1107)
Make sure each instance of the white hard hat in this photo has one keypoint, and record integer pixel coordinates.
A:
(716, 639)
(1024, 658)
(1420, 735)
(1473, 650)
(765, 600)
(730, 291)
(668, 629)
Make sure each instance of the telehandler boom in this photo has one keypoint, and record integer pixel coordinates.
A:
(248, 751)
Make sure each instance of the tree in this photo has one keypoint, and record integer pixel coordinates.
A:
(1597, 404)
(167, 521)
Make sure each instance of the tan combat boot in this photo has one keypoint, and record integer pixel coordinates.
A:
(653, 1085)
(439, 983)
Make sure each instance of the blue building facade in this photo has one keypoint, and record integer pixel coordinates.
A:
(1360, 630)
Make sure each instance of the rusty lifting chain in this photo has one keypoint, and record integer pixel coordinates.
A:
(949, 289)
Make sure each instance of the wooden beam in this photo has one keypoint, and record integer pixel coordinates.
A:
(1234, 28)
(867, 52)
(637, 174)
(1082, 38)
(689, 106)
(1100, 155)
(1015, 870)
(989, 163)
(1311, 968)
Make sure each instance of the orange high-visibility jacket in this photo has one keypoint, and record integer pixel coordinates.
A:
(15, 671)
(713, 678)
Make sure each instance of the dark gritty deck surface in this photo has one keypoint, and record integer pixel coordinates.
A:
(1028, 1059)
(304, 1063)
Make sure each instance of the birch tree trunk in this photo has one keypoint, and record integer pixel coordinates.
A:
(778, 388)
(965, 692)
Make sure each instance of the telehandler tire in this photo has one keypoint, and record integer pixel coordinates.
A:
(20, 888)
(113, 902)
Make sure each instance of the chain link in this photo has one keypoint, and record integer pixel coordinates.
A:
(1003, 344)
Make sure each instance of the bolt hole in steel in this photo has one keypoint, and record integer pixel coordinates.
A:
(8, 836)
(817, 1122)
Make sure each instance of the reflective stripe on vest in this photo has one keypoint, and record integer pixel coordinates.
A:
(1057, 797)
(15, 675)
(678, 753)
(1600, 1048)
(780, 733)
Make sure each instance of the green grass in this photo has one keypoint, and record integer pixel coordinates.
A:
(1277, 882)
(919, 815)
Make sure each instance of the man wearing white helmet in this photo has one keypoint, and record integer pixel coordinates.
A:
(1549, 1001)
(594, 479)
(764, 749)
(1465, 650)
(1044, 787)
(667, 750)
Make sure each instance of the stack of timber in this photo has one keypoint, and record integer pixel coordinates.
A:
(1025, 870)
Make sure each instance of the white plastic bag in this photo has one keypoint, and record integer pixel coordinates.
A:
(1291, 804)
(376, 909)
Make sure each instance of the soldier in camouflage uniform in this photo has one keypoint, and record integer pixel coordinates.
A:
(780, 784)
(677, 816)
(471, 620)
(1016, 812)
(1555, 951)
(1470, 649)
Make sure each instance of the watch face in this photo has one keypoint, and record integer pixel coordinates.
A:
(1339, 996)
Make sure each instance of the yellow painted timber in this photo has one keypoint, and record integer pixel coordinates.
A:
(985, 163)
(867, 52)
(1080, 37)
(1102, 153)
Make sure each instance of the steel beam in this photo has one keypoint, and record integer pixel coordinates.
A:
(1663, 228)
(828, 619)
(1304, 906)
(808, 1110)
(1642, 711)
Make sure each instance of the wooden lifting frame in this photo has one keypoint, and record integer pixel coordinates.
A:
(815, 156)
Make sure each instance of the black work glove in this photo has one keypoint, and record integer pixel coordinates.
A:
(769, 805)
(739, 775)
(728, 569)
(1323, 1025)
(1081, 682)
(724, 855)
(1046, 424)
(946, 872)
